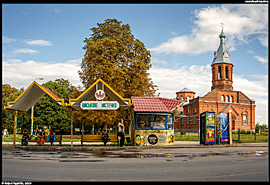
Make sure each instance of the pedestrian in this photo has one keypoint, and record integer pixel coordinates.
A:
(105, 137)
(25, 138)
(121, 133)
(51, 137)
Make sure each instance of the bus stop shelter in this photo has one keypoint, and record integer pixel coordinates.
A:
(98, 90)
(28, 99)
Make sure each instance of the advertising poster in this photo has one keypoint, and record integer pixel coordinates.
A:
(224, 124)
(210, 119)
(210, 135)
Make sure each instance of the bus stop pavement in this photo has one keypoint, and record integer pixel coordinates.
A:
(98, 146)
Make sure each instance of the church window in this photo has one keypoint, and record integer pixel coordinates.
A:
(222, 98)
(188, 98)
(227, 72)
(182, 98)
(219, 72)
(227, 98)
(231, 99)
(244, 119)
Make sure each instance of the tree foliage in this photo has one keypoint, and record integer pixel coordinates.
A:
(49, 112)
(113, 54)
(8, 95)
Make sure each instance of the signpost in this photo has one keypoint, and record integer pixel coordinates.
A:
(99, 105)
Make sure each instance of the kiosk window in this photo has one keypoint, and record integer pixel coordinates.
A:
(170, 122)
(159, 122)
(143, 121)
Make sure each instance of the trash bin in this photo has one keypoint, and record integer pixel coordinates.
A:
(128, 139)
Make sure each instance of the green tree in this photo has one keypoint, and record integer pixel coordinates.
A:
(23, 118)
(49, 112)
(6, 91)
(114, 55)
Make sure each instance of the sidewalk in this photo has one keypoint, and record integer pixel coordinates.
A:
(98, 146)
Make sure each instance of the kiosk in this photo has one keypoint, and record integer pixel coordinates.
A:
(154, 120)
(207, 128)
(222, 123)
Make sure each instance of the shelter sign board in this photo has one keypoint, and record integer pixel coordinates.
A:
(99, 105)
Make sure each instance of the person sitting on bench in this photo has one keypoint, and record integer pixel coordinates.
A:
(105, 137)
(25, 138)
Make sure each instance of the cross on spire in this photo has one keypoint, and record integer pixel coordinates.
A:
(222, 24)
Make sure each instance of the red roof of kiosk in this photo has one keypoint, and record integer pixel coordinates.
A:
(154, 104)
(50, 92)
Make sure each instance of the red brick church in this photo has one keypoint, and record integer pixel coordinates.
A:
(221, 99)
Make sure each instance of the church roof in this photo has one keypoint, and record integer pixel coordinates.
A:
(222, 55)
(185, 90)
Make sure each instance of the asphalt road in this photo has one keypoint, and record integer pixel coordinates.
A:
(228, 164)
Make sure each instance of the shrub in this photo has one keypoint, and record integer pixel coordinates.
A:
(183, 132)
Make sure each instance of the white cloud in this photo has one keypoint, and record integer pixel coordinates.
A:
(240, 20)
(38, 43)
(21, 74)
(158, 62)
(198, 79)
(261, 59)
(57, 10)
(25, 50)
(8, 40)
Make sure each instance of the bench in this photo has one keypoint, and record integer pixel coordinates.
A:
(58, 139)
(97, 138)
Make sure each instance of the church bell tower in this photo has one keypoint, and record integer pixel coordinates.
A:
(222, 67)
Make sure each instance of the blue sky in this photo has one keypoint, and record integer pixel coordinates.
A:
(46, 40)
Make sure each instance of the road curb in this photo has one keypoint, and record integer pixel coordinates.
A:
(91, 148)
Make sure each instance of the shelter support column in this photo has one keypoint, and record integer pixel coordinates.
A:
(71, 130)
(32, 120)
(132, 126)
(14, 127)
(230, 127)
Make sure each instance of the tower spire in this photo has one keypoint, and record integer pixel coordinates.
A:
(222, 55)
(222, 67)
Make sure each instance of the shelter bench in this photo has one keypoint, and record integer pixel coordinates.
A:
(58, 139)
(97, 138)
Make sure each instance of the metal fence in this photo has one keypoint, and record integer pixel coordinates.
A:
(237, 136)
(249, 136)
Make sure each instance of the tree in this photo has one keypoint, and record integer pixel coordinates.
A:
(23, 118)
(114, 55)
(6, 91)
(49, 112)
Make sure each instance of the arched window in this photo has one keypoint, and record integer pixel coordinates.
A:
(222, 98)
(226, 72)
(231, 99)
(182, 98)
(227, 98)
(219, 72)
(244, 119)
(188, 98)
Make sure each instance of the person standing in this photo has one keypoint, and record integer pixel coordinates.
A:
(51, 137)
(121, 133)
